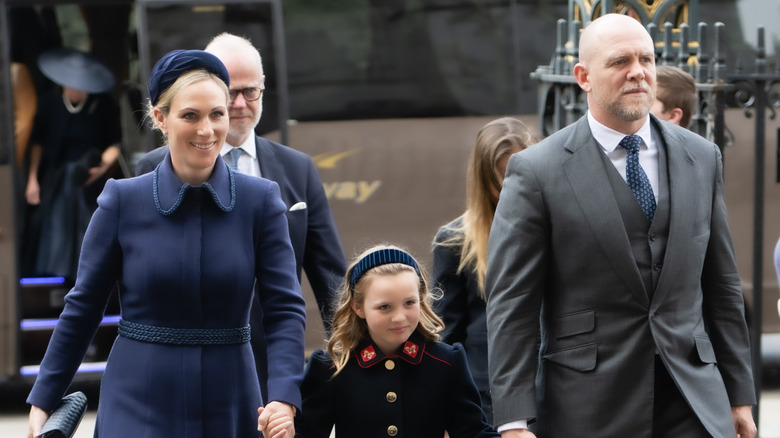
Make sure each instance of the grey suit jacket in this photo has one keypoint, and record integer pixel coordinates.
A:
(559, 260)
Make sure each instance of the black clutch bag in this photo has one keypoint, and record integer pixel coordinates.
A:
(66, 417)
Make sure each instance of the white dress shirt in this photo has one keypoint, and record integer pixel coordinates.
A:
(247, 162)
(609, 140)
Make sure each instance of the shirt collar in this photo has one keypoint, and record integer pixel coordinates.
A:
(368, 354)
(609, 139)
(169, 190)
(249, 146)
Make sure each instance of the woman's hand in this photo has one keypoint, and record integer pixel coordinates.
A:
(96, 173)
(33, 191)
(107, 160)
(35, 423)
(276, 420)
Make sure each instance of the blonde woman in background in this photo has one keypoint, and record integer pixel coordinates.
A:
(460, 247)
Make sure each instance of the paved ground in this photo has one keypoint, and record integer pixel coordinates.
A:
(13, 418)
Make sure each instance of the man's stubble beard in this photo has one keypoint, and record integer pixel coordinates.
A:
(235, 134)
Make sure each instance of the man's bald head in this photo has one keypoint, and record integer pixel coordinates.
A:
(606, 27)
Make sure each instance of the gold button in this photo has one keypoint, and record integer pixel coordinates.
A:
(392, 430)
(389, 364)
(391, 397)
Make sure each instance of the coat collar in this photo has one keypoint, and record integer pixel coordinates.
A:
(368, 354)
(169, 190)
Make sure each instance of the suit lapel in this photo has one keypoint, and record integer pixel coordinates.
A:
(588, 179)
(271, 168)
(265, 156)
(683, 190)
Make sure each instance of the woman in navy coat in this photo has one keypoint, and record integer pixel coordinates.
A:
(460, 247)
(185, 244)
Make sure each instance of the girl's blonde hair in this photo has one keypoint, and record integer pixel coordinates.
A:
(495, 140)
(349, 329)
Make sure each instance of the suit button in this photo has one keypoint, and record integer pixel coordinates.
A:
(391, 397)
(392, 430)
(657, 267)
(389, 364)
(651, 237)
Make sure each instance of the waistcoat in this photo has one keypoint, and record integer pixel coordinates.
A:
(648, 240)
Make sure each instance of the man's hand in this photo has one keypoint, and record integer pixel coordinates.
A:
(743, 421)
(517, 433)
(276, 420)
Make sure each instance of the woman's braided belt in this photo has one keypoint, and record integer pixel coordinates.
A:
(183, 336)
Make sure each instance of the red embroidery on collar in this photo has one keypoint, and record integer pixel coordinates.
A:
(410, 348)
(368, 353)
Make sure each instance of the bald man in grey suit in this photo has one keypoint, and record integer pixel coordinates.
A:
(636, 298)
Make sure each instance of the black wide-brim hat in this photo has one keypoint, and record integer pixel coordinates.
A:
(75, 69)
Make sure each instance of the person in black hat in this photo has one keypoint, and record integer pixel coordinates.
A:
(74, 147)
(186, 244)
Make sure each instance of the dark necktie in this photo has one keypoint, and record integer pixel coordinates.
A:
(234, 154)
(636, 176)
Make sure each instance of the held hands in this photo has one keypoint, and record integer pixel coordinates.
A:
(744, 425)
(35, 423)
(276, 420)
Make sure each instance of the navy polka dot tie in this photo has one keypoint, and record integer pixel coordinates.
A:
(636, 176)
(235, 153)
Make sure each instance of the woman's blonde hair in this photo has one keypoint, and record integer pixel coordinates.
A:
(348, 329)
(186, 79)
(495, 140)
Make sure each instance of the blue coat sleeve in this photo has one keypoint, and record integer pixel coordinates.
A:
(318, 414)
(465, 415)
(453, 306)
(283, 306)
(84, 305)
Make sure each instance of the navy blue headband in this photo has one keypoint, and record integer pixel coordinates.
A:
(378, 258)
(178, 62)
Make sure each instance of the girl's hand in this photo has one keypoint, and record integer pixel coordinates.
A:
(276, 420)
(35, 423)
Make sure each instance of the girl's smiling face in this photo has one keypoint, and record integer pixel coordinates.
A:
(391, 308)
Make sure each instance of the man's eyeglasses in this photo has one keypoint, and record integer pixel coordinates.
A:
(250, 93)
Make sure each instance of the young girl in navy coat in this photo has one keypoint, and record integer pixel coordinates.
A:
(384, 373)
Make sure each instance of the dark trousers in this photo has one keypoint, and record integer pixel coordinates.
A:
(672, 416)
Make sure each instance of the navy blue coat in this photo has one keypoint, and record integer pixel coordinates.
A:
(184, 257)
(462, 309)
(313, 233)
(420, 392)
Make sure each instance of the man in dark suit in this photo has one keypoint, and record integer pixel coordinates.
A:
(636, 297)
(313, 232)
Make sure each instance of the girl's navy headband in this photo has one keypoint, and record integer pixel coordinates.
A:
(178, 62)
(378, 258)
